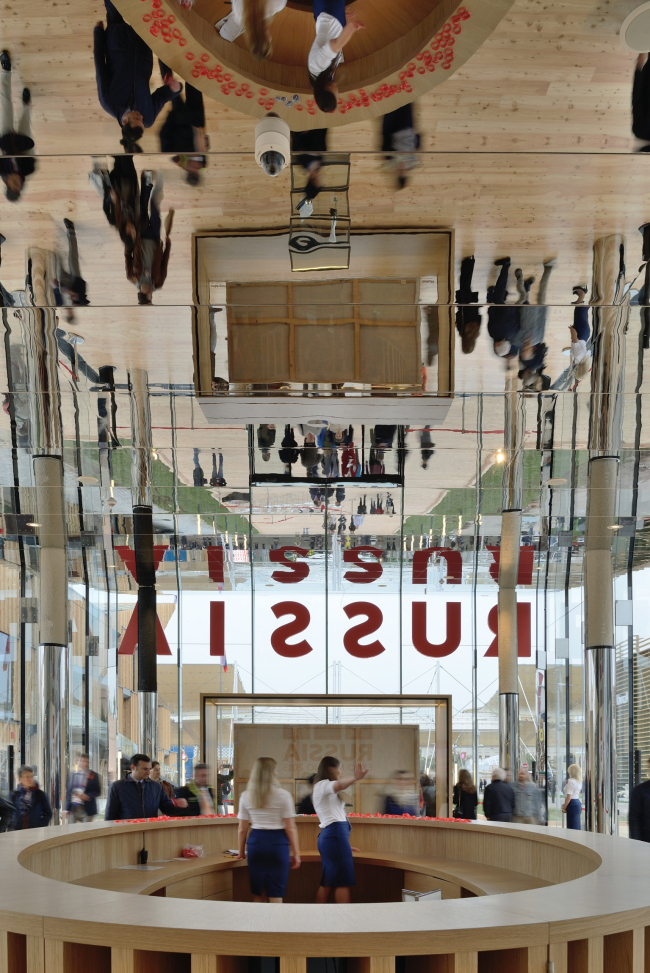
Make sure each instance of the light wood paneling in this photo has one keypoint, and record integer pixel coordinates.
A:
(511, 930)
(54, 949)
(417, 882)
(293, 964)
(122, 960)
(558, 954)
(35, 954)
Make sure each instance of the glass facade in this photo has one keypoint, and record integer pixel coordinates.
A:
(380, 582)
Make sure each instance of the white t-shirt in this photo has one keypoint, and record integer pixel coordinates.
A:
(273, 7)
(578, 351)
(327, 803)
(572, 788)
(271, 817)
(321, 55)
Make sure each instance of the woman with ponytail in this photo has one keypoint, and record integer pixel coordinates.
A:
(268, 811)
(333, 31)
(334, 838)
(252, 18)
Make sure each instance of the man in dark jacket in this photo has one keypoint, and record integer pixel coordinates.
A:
(503, 320)
(400, 138)
(184, 130)
(123, 66)
(138, 797)
(32, 808)
(499, 797)
(83, 790)
(16, 141)
(199, 796)
(639, 811)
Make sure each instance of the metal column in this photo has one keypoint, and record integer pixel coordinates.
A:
(514, 432)
(605, 423)
(141, 476)
(45, 406)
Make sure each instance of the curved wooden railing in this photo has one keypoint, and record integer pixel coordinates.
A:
(516, 897)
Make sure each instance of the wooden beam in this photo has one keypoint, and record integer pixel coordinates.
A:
(293, 964)
(54, 949)
(35, 953)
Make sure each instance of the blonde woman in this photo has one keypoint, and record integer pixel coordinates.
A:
(268, 811)
(252, 18)
(572, 803)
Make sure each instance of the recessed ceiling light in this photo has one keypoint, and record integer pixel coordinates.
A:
(32, 523)
(88, 479)
(614, 527)
(556, 481)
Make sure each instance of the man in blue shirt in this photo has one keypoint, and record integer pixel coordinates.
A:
(138, 797)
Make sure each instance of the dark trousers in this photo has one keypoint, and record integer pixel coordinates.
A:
(149, 214)
(500, 290)
(393, 122)
(113, 16)
(641, 102)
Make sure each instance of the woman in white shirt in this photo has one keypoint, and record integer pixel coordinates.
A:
(333, 31)
(269, 812)
(572, 803)
(334, 838)
(251, 17)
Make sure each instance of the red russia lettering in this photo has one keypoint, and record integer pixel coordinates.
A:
(370, 570)
(298, 569)
(453, 559)
(289, 629)
(373, 621)
(523, 631)
(374, 618)
(419, 630)
(217, 627)
(526, 562)
(130, 637)
(215, 564)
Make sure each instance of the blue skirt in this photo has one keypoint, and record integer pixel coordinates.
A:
(268, 862)
(334, 7)
(574, 815)
(336, 856)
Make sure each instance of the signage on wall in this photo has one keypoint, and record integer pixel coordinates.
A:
(295, 617)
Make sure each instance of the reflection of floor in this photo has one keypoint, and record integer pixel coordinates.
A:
(551, 77)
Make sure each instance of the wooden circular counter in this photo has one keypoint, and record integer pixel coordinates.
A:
(516, 898)
(408, 47)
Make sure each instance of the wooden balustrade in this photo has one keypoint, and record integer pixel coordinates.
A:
(516, 898)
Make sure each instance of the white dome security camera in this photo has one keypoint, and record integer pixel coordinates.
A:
(272, 144)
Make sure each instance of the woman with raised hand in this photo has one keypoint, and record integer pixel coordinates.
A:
(266, 819)
(251, 17)
(334, 838)
(333, 30)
